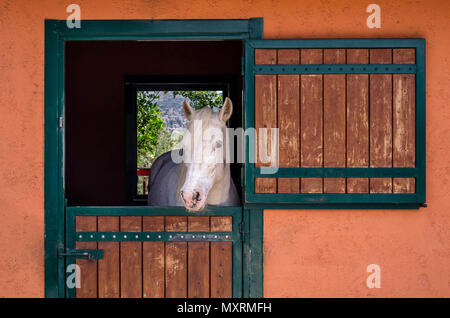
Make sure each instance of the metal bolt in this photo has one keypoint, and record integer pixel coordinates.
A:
(148, 236)
(80, 236)
(137, 236)
(215, 236)
(125, 236)
(114, 236)
(204, 236)
(193, 236)
(92, 236)
(103, 236)
(170, 236)
(182, 236)
(159, 236)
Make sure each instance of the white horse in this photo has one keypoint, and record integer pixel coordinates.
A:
(203, 178)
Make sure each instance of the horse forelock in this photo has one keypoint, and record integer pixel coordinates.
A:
(207, 116)
(209, 119)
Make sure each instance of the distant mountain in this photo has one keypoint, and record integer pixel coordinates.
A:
(172, 110)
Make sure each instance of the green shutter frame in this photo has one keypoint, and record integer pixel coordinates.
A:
(331, 200)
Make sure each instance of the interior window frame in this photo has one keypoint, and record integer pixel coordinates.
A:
(134, 84)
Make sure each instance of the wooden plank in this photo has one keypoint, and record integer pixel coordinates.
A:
(198, 259)
(357, 120)
(380, 120)
(265, 56)
(221, 260)
(153, 259)
(311, 121)
(265, 114)
(176, 259)
(109, 266)
(221, 224)
(130, 259)
(404, 120)
(289, 121)
(88, 269)
(404, 56)
(334, 120)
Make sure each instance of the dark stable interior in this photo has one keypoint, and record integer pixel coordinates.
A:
(95, 147)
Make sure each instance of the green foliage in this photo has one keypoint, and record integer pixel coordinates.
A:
(200, 99)
(165, 143)
(149, 124)
(153, 138)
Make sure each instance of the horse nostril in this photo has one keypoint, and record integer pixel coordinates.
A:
(196, 196)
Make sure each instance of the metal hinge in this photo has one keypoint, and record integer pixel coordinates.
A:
(241, 231)
(91, 255)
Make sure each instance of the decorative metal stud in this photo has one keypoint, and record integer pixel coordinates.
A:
(80, 236)
(92, 236)
(114, 236)
(137, 236)
(159, 236)
(193, 236)
(103, 236)
(124, 236)
(148, 236)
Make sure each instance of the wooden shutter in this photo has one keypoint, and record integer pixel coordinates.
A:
(350, 116)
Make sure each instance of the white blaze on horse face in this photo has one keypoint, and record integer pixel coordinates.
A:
(204, 147)
(203, 153)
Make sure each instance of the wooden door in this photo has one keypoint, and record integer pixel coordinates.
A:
(158, 256)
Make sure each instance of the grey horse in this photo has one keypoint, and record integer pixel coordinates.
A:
(203, 177)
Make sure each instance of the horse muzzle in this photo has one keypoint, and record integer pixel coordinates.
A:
(194, 200)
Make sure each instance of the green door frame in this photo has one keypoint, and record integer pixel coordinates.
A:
(56, 34)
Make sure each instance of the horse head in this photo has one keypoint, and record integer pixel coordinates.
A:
(204, 153)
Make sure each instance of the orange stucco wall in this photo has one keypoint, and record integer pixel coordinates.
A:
(307, 253)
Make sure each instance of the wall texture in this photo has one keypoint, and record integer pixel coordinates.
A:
(307, 253)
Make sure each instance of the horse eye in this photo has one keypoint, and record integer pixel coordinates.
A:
(218, 144)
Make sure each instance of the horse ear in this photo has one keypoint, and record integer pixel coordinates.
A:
(187, 109)
(227, 110)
